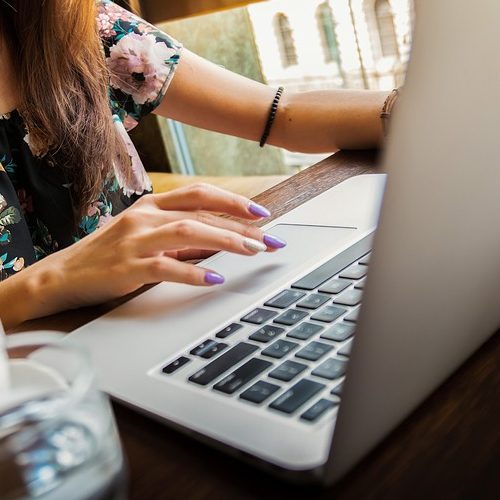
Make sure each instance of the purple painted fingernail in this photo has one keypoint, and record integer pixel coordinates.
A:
(274, 241)
(214, 278)
(258, 210)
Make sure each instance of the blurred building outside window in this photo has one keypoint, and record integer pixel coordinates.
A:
(285, 40)
(326, 30)
(386, 30)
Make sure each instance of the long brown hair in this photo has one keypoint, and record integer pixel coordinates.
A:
(63, 83)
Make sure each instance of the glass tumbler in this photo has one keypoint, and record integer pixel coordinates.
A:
(58, 438)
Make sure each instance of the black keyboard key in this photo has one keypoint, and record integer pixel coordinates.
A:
(335, 286)
(330, 268)
(318, 409)
(313, 301)
(259, 392)
(287, 371)
(284, 299)
(354, 272)
(279, 349)
(304, 331)
(337, 390)
(346, 349)
(242, 375)
(313, 351)
(353, 315)
(296, 396)
(290, 317)
(213, 350)
(349, 298)
(339, 332)
(229, 330)
(331, 369)
(328, 314)
(223, 363)
(175, 365)
(259, 316)
(266, 333)
(204, 346)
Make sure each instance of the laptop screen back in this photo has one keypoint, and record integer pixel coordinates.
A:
(433, 290)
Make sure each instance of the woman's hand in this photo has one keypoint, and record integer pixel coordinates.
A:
(146, 244)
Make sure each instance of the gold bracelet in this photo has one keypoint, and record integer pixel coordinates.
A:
(385, 114)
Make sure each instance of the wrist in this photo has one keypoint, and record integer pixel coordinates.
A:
(37, 292)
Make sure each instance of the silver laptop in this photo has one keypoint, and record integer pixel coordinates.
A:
(268, 366)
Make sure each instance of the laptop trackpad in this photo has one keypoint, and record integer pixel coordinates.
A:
(304, 243)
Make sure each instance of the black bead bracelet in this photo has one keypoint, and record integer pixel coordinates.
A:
(270, 119)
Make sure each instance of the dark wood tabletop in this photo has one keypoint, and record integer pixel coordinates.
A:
(449, 448)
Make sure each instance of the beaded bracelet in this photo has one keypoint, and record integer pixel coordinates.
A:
(270, 119)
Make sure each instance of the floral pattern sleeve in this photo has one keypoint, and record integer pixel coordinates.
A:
(141, 61)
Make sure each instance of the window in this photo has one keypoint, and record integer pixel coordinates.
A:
(285, 39)
(386, 30)
(326, 28)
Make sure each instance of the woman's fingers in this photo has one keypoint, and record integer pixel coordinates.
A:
(191, 234)
(195, 203)
(210, 198)
(160, 218)
(164, 268)
(245, 230)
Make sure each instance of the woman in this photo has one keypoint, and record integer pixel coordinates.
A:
(68, 167)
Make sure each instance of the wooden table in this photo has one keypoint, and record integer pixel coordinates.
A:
(449, 448)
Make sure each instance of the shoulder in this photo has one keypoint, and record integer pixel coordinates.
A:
(140, 58)
(115, 23)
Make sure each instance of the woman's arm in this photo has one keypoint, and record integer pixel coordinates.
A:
(205, 95)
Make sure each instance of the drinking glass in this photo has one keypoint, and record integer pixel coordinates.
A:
(58, 438)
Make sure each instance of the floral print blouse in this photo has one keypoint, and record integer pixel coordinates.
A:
(36, 213)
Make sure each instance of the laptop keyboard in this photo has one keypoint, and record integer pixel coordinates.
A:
(294, 360)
